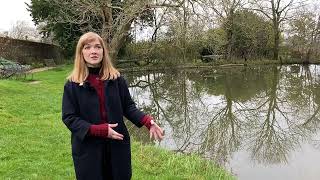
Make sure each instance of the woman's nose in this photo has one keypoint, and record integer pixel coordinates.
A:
(93, 51)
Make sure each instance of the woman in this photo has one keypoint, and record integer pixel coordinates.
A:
(95, 99)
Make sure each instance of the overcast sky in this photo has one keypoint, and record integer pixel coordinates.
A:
(11, 11)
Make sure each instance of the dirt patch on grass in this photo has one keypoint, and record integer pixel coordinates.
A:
(40, 69)
(34, 82)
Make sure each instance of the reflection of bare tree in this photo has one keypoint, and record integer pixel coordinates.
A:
(281, 129)
(312, 84)
(216, 116)
(271, 142)
(272, 139)
(171, 102)
(152, 85)
(305, 94)
(316, 144)
(223, 135)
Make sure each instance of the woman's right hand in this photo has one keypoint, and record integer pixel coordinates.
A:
(112, 134)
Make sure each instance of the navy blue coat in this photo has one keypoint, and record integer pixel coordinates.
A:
(80, 109)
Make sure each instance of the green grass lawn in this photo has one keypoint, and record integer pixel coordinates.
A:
(35, 144)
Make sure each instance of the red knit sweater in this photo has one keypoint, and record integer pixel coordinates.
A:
(101, 130)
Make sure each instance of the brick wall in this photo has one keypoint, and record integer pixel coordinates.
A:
(28, 52)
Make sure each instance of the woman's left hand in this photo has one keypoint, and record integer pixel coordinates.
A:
(156, 132)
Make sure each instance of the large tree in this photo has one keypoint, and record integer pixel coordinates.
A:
(277, 11)
(112, 19)
(305, 33)
(252, 36)
(226, 10)
(63, 33)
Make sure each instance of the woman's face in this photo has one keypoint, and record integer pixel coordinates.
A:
(93, 52)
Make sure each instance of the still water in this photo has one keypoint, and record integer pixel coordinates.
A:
(257, 122)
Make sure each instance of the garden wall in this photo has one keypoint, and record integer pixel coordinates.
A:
(29, 52)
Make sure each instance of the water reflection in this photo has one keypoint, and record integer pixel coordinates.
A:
(267, 111)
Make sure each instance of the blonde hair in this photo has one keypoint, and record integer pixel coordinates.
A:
(80, 70)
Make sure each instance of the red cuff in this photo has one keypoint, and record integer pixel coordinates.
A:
(100, 130)
(146, 120)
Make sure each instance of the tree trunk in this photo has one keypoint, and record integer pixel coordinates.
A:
(228, 51)
(119, 39)
(276, 48)
(229, 30)
(308, 55)
(184, 32)
(106, 33)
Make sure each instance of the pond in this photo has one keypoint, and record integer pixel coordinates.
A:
(258, 122)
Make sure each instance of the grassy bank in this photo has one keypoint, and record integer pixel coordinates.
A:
(35, 144)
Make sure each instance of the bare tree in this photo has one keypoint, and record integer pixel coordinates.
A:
(22, 30)
(4, 34)
(225, 10)
(305, 32)
(277, 11)
(112, 19)
(185, 26)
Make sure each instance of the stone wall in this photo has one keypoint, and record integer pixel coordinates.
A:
(28, 52)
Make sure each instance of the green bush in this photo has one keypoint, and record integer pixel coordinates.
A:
(161, 51)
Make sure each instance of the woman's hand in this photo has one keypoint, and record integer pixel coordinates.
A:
(112, 134)
(156, 132)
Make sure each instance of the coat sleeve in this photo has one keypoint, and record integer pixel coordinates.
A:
(130, 111)
(70, 113)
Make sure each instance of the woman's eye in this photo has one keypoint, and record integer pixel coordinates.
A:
(87, 47)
